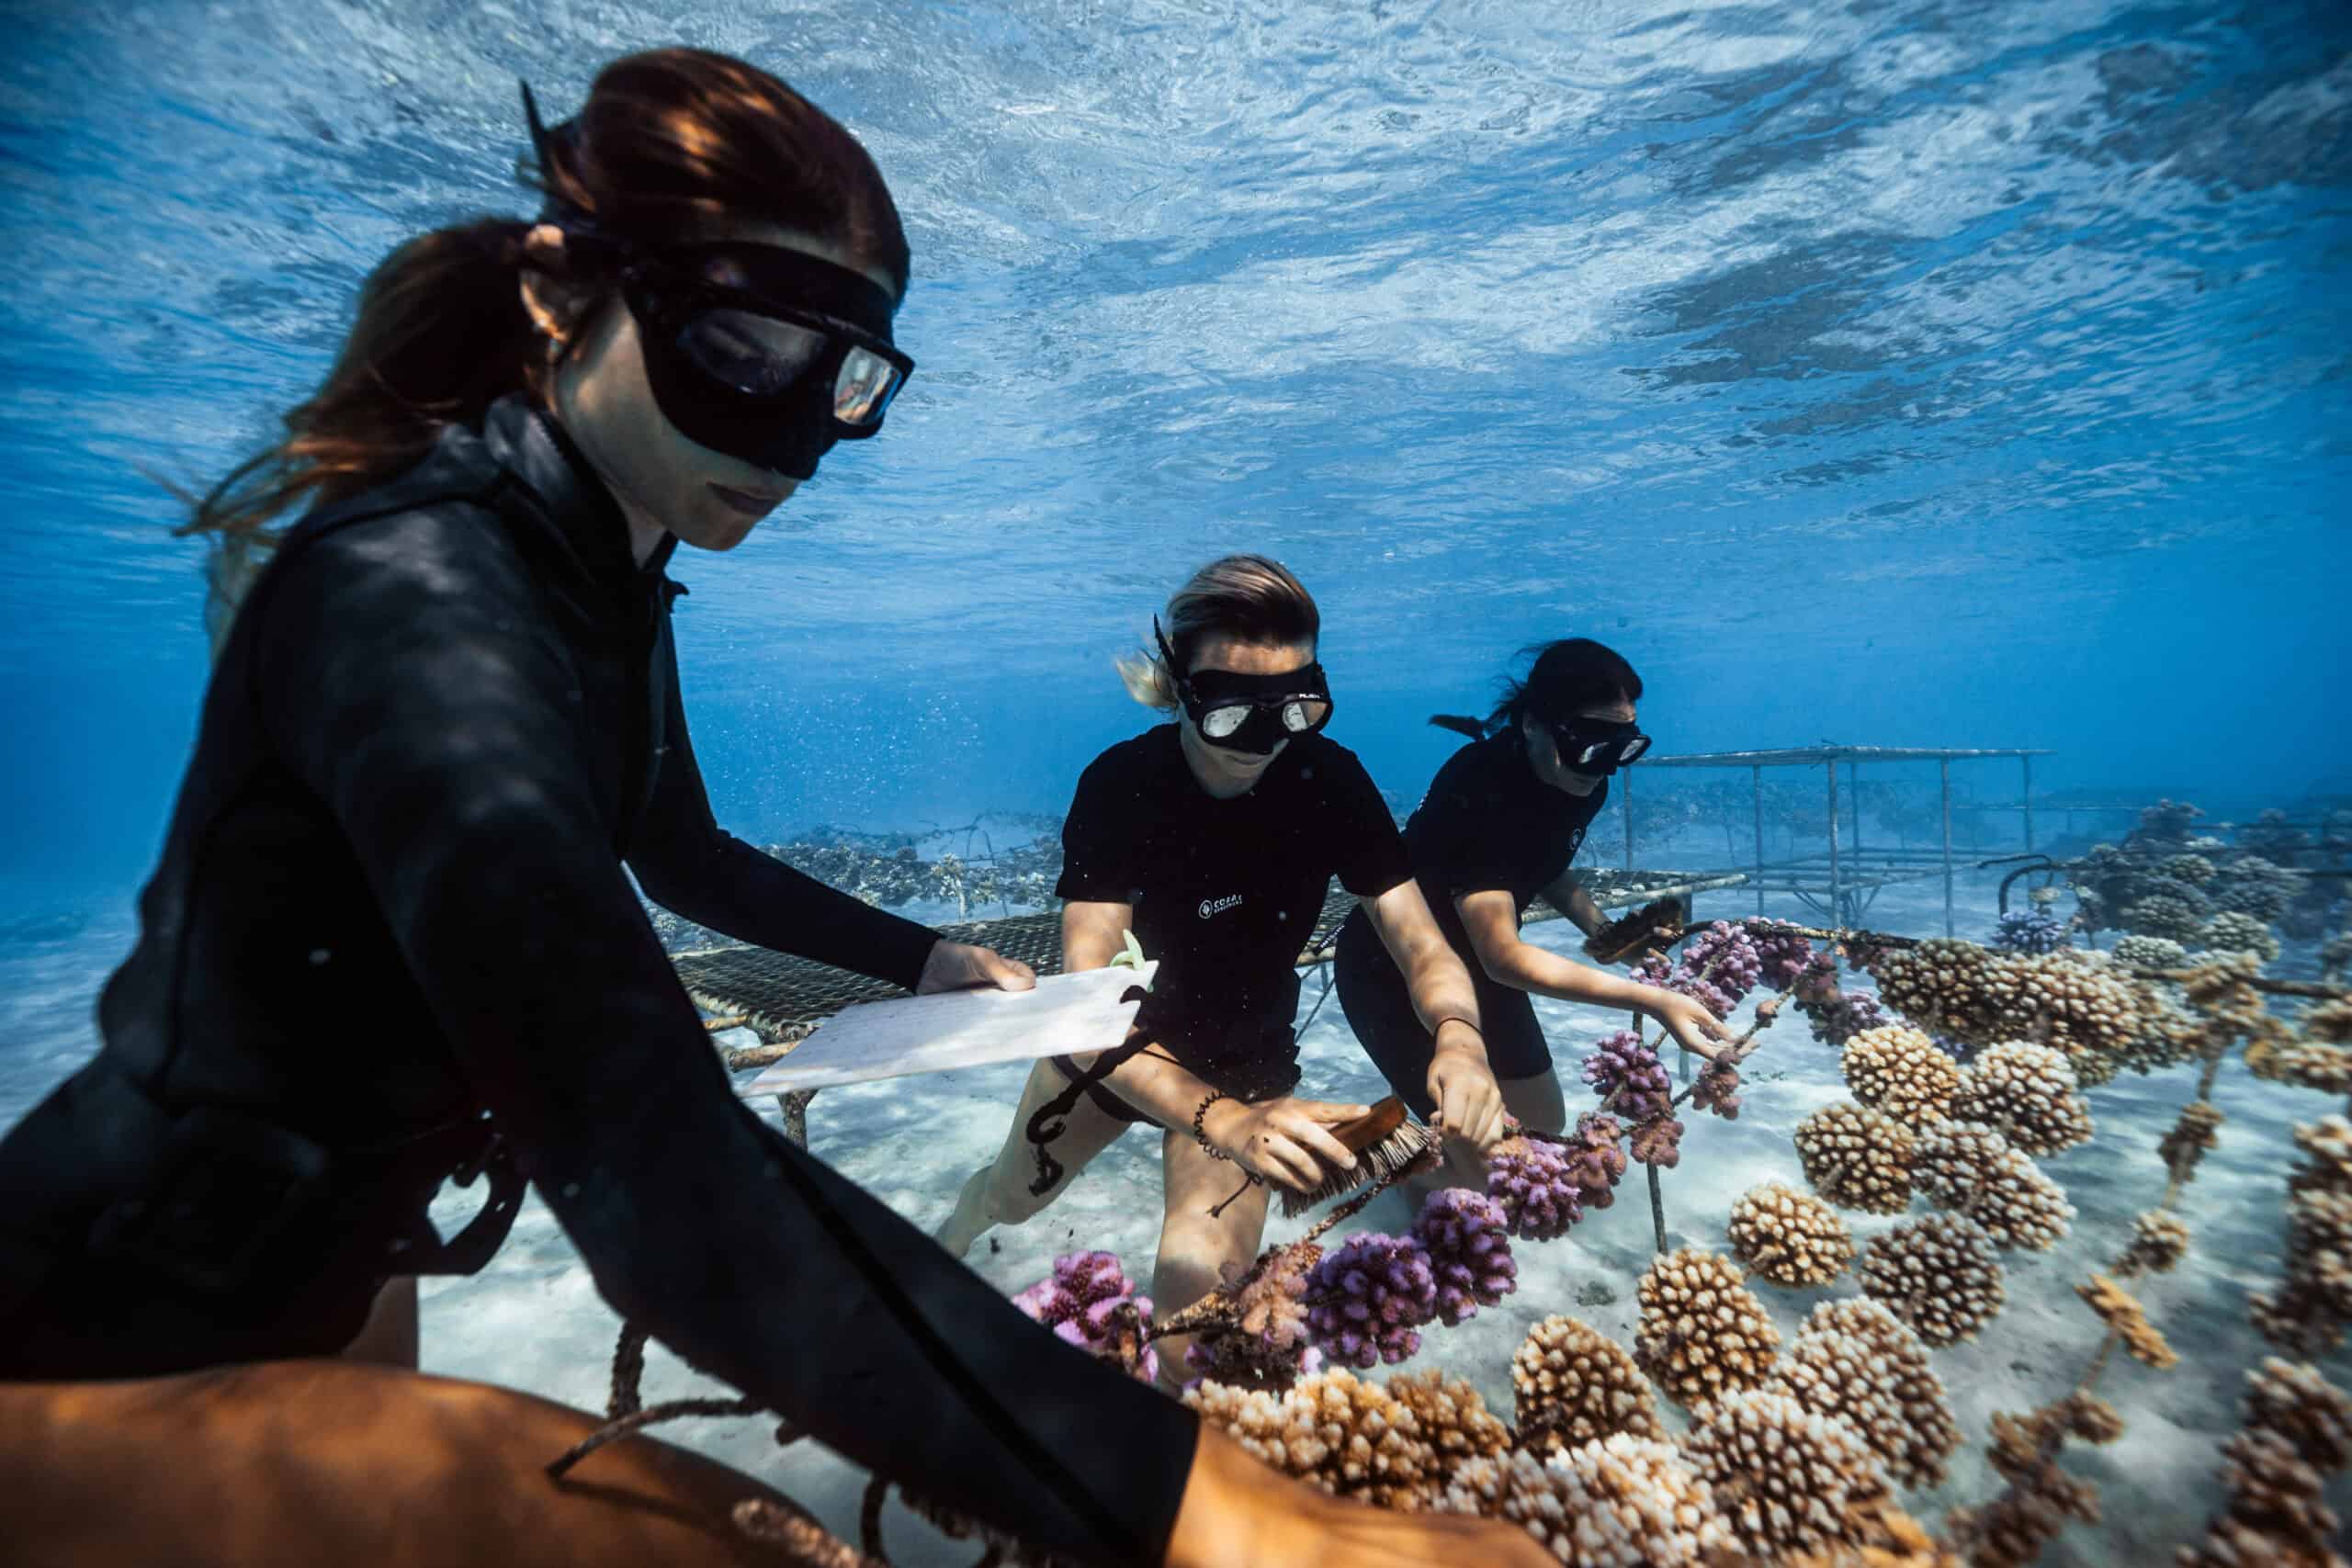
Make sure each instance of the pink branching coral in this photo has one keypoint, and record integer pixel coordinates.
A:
(1366, 1301)
(1658, 1144)
(1545, 1188)
(1092, 1303)
(1782, 957)
(1467, 1237)
(1835, 1016)
(1265, 1344)
(1625, 1066)
(1718, 1090)
(1719, 966)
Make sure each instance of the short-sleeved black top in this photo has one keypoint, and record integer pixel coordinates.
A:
(1226, 892)
(1488, 822)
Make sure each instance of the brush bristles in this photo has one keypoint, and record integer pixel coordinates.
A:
(1407, 1146)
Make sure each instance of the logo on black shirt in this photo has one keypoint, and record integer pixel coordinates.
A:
(1218, 906)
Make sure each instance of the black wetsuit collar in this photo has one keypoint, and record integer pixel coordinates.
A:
(536, 450)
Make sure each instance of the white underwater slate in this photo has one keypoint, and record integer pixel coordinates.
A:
(906, 1035)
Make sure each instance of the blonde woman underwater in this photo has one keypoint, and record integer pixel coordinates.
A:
(1214, 839)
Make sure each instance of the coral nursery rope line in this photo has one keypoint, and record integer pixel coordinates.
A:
(674, 1410)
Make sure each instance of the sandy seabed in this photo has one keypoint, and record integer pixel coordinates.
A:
(533, 1320)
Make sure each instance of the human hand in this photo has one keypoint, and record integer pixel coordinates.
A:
(1469, 1101)
(960, 966)
(1693, 1027)
(1237, 1513)
(1286, 1142)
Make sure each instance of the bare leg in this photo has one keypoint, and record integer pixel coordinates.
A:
(1194, 1248)
(388, 1338)
(997, 1193)
(290, 1464)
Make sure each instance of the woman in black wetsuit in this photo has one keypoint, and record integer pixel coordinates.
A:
(1216, 839)
(1498, 828)
(445, 716)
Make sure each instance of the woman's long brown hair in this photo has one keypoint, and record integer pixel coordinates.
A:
(668, 142)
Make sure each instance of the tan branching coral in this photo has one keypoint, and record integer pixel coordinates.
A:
(2307, 1314)
(1620, 1502)
(2329, 1020)
(2122, 1313)
(1790, 1238)
(1898, 1070)
(1453, 1416)
(1786, 1478)
(1973, 1170)
(2029, 1093)
(1575, 1385)
(2192, 1136)
(2298, 1432)
(2159, 1240)
(2071, 1000)
(1937, 1273)
(1857, 1157)
(1346, 1436)
(2012, 1529)
(2308, 1064)
(1858, 1360)
(1892, 1538)
(1703, 1333)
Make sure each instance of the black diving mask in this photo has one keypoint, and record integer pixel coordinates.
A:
(1250, 713)
(1598, 747)
(763, 352)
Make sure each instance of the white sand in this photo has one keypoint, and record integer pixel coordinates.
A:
(533, 1320)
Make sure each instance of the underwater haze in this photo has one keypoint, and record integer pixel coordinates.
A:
(1899, 373)
(1909, 374)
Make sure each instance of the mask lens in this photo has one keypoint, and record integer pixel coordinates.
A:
(1302, 714)
(758, 356)
(864, 387)
(1219, 723)
(1632, 748)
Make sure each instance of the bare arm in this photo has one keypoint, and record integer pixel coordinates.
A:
(1092, 935)
(1568, 895)
(1491, 919)
(1462, 1081)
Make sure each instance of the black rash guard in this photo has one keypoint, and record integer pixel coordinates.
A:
(391, 905)
(1487, 824)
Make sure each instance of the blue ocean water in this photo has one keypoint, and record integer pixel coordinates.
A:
(1904, 372)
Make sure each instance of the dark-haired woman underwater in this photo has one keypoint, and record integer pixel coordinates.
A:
(1499, 828)
(445, 722)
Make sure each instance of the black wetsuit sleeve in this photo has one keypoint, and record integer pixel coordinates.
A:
(693, 868)
(1369, 854)
(433, 714)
